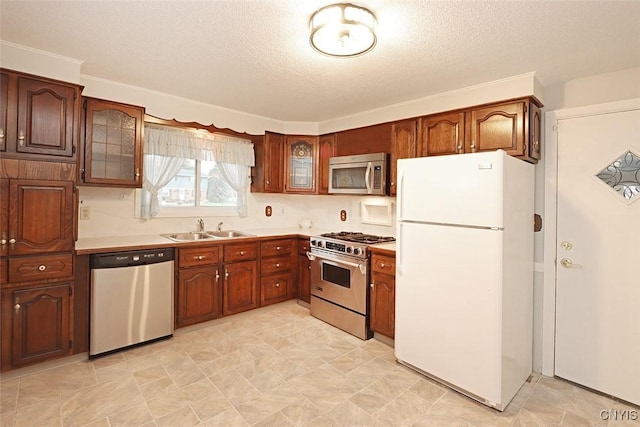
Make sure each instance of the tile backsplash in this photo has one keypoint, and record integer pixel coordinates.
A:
(112, 213)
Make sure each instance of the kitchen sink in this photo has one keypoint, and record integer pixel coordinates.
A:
(205, 235)
(229, 234)
(188, 237)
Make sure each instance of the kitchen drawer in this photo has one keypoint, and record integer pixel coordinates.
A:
(240, 252)
(205, 255)
(274, 264)
(275, 289)
(26, 269)
(276, 247)
(303, 246)
(383, 264)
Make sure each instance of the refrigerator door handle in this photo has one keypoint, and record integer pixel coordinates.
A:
(400, 251)
(400, 190)
(367, 176)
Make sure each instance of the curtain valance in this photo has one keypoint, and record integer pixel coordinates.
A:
(188, 144)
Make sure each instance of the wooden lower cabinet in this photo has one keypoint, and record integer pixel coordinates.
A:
(199, 295)
(36, 323)
(383, 294)
(240, 290)
(304, 271)
(277, 270)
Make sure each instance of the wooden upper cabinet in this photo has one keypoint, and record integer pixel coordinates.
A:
(441, 134)
(113, 136)
(4, 108)
(533, 127)
(301, 164)
(41, 217)
(403, 146)
(39, 117)
(273, 154)
(326, 150)
(498, 126)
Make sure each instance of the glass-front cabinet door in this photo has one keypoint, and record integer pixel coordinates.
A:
(301, 159)
(113, 144)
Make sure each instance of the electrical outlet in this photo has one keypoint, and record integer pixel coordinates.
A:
(85, 213)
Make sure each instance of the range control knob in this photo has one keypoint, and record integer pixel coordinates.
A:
(349, 249)
(357, 251)
(313, 243)
(319, 244)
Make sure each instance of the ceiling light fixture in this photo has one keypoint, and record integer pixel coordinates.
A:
(343, 30)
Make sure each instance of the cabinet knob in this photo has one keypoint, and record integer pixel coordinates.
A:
(42, 267)
(1, 133)
(268, 182)
(242, 252)
(277, 285)
(199, 257)
(226, 273)
(473, 146)
(371, 285)
(277, 265)
(3, 241)
(536, 145)
(382, 265)
(21, 138)
(217, 275)
(137, 173)
(12, 241)
(16, 308)
(277, 248)
(459, 146)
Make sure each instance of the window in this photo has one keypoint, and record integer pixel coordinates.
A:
(194, 173)
(199, 183)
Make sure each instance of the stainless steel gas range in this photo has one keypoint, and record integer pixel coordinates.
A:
(340, 280)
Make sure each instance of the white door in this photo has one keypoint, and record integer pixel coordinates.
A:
(598, 253)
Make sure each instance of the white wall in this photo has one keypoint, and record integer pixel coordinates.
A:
(112, 214)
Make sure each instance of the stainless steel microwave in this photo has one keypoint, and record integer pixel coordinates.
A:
(359, 174)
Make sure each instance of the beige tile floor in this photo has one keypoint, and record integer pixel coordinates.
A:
(275, 366)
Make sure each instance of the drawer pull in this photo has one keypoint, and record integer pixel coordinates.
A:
(277, 285)
(12, 241)
(3, 241)
(382, 265)
(242, 253)
(277, 265)
(42, 267)
(199, 257)
(277, 248)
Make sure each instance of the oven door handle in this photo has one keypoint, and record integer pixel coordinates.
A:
(362, 267)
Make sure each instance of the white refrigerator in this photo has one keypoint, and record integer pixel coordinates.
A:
(464, 277)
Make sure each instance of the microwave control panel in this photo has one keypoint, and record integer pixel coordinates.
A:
(377, 177)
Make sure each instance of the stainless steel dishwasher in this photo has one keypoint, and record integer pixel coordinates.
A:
(131, 299)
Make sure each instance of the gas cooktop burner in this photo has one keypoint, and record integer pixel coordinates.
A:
(352, 236)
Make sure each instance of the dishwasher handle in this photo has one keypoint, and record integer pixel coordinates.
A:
(131, 258)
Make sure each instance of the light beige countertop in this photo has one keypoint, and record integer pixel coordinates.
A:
(391, 247)
(89, 245)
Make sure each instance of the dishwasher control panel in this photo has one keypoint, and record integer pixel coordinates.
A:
(131, 258)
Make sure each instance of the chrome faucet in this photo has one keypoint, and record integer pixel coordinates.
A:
(220, 226)
(200, 225)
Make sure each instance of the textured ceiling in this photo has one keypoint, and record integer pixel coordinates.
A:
(254, 55)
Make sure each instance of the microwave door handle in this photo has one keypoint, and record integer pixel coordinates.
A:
(337, 262)
(367, 175)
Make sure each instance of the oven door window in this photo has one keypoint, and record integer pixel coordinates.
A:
(337, 275)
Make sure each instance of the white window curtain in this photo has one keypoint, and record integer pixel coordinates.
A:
(237, 176)
(167, 148)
